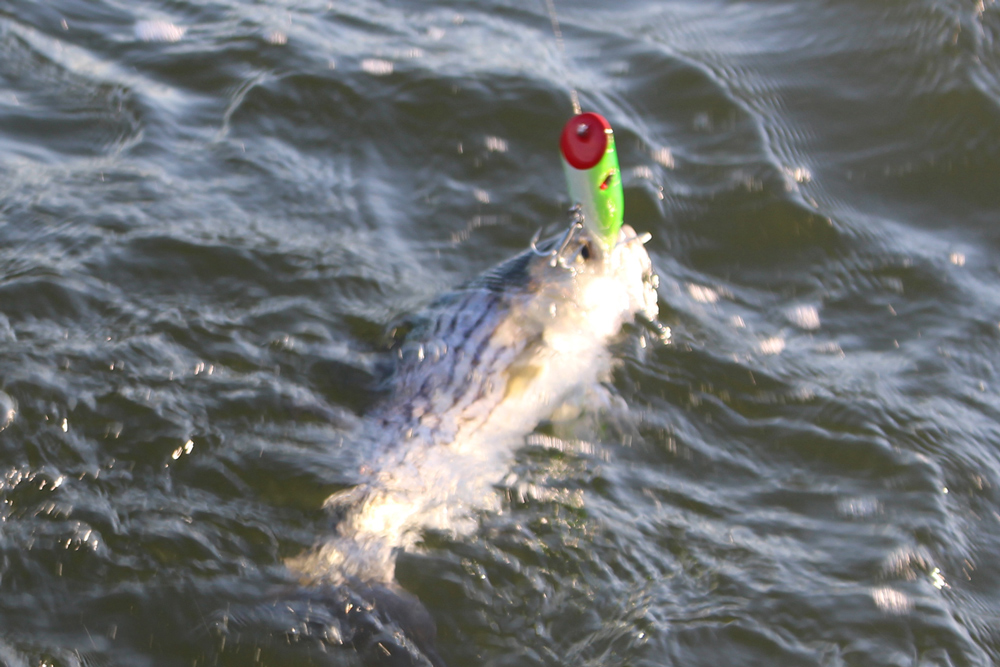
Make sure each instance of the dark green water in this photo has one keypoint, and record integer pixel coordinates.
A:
(203, 237)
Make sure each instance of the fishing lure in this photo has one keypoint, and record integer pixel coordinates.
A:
(590, 162)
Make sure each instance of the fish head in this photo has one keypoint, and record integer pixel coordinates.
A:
(594, 286)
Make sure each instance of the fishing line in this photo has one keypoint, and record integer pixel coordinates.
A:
(550, 5)
(590, 163)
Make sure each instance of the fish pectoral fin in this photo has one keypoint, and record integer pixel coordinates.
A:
(523, 370)
(519, 377)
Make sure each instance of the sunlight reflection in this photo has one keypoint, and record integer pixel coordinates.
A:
(891, 601)
(158, 31)
(8, 409)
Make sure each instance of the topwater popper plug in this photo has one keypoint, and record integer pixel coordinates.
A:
(587, 145)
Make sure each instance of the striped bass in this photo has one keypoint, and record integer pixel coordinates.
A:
(476, 372)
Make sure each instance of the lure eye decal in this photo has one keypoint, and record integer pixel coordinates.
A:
(606, 183)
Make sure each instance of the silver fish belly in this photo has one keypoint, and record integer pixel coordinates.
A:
(477, 371)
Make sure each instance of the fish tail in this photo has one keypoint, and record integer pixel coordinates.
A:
(382, 623)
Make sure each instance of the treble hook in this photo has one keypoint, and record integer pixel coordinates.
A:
(533, 244)
(567, 237)
(556, 255)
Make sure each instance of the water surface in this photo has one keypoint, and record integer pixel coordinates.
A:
(211, 213)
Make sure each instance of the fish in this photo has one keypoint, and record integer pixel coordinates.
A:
(476, 371)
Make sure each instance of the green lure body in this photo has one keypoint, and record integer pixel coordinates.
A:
(594, 179)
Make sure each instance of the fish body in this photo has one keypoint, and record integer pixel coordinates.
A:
(478, 370)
